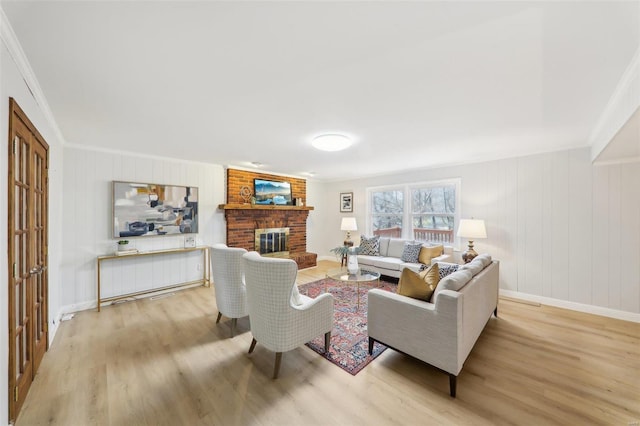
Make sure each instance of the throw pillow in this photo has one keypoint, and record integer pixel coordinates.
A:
(370, 246)
(447, 268)
(419, 285)
(428, 253)
(411, 252)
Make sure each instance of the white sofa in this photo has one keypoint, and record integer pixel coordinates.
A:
(390, 263)
(441, 332)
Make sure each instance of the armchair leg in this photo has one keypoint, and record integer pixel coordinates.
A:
(452, 385)
(234, 322)
(327, 341)
(495, 312)
(370, 346)
(253, 345)
(276, 368)
(219, 316)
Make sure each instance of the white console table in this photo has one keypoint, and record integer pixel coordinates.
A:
(206, 270)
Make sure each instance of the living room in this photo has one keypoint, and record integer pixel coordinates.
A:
(564, 223)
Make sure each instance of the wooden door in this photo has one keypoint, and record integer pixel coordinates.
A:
(28, 238)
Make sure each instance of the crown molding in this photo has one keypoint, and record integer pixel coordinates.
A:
(137, 154)
(259, 170)
(617, 162)
(621, 106)
(10, 40)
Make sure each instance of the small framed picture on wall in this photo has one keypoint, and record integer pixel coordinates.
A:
(346, 202)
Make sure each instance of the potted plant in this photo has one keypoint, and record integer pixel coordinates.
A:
(352, 256)
(123, 245)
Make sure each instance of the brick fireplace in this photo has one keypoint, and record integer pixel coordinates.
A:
(243, 218)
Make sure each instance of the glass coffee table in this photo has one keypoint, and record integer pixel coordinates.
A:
(362, 276)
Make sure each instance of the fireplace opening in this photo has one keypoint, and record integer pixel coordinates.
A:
(272, 242)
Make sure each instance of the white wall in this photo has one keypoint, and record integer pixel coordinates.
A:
(316, 195)
(12, 85)
(564, 230)
(86, 225)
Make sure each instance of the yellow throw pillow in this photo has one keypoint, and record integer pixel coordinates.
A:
(419, 285)
(428, 253)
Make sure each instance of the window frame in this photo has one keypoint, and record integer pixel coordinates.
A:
(407, 212)
(386, 188)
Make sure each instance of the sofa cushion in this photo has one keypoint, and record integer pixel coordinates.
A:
(485, 258)
(454, 281)
(428, 253)
(365, 259)
(384, 246)
(410, 252)
(370, 246)
(415, 267)
(396, 247)
(419, 285)
(475, 267)
(391, 263)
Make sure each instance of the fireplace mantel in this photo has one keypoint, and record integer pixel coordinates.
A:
(235, 206)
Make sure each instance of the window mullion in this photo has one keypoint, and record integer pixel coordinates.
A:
(407, 231)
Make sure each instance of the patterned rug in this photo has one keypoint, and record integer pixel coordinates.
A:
(349, 347)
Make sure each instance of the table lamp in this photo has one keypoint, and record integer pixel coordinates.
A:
(348, 224)
(471, 229)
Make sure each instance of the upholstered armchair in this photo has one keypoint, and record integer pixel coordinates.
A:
(228, 281)
(281, 318)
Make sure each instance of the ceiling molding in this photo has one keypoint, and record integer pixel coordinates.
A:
(617, 162)
(260, 170)
(137, 154)
(20, 59)
(621, 106)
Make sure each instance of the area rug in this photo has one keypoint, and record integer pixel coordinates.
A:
(349, 348)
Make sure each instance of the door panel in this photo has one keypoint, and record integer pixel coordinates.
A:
(27, 227)
(22, 281)
(39, 268)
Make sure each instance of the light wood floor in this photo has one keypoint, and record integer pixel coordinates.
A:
(166, 362)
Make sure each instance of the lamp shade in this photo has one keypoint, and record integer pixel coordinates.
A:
(348, 224)
(472, 229)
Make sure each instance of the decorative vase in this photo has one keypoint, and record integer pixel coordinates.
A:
(123, 247)
(352, 262)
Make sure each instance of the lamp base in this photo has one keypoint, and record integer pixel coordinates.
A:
(470, 254)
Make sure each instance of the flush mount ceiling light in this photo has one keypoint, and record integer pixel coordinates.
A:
(333, 142)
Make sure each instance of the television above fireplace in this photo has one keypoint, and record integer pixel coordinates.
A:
(272, 192)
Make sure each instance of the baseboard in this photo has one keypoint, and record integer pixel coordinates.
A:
(92, 304)
(67, 309)
(573, 306)
(331, 258)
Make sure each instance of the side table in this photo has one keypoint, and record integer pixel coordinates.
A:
(344, 256)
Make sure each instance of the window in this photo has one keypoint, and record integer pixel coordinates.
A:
(423, 212)
(433, 211)
(387, 211)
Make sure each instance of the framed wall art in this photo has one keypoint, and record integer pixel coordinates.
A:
(147, 209)
(346, 202)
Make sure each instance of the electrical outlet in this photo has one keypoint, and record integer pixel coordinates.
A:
(189, 242)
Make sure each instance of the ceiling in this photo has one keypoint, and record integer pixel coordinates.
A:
(415, 84)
